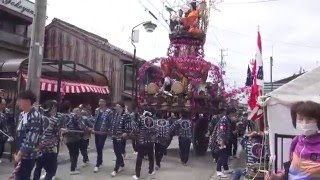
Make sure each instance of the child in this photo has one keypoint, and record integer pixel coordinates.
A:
(223, 155)
(304, 151)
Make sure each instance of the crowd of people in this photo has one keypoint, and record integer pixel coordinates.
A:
(39, 131)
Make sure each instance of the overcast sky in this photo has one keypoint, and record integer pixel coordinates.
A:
(289, 27)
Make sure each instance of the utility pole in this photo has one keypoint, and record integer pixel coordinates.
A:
(36, 47)
(222, 62)
(271, 71)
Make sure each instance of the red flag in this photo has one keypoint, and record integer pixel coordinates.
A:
(257, 86)
(254, 89)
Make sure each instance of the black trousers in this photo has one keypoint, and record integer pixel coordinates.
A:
(84, 144)
(214, 156)
(184, 147)
(222, 161)
(145, 149)
(232, 146)
(124, 144)
(100, 141)
(25, 169)
(49, 162)
(134, 145)
(2, 144)
(159, 152)
(165, 152)
(74, 148)
(118, 150)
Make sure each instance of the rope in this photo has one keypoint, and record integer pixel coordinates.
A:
(5, 134)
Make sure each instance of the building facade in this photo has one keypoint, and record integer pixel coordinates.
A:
(15, 28)
(68, 42)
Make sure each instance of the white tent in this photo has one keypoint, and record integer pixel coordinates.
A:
(305, 87)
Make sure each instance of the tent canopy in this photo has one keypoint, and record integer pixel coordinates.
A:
(76, 78)
(281, 130)
(303, 88)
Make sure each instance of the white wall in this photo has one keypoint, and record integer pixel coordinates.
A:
(279, 119)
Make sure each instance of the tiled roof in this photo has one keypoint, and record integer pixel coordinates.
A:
(98, 39)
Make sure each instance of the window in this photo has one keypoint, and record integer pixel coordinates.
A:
(11, 24)
(21, 30)
(128, 73)
(7, 26)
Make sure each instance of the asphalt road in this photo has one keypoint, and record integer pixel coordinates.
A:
(199, 168)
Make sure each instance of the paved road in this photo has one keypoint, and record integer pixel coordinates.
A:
(199, 168)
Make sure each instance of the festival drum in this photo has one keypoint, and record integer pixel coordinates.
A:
(152, 88)
(177, 87)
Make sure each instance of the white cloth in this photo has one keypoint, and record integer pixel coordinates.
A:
(167, 81)
(23, 121)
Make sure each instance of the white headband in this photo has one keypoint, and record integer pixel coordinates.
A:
(147, 113)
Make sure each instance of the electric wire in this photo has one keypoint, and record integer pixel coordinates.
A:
(250, 2)
(160, 14)
(274, 41)
(215, 36)
(154, 16)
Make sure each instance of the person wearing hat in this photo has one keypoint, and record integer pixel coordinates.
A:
(48, 142)
(103, 115)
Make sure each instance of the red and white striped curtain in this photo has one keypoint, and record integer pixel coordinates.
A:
(70, 87)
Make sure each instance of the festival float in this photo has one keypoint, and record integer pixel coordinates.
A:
(186, 81)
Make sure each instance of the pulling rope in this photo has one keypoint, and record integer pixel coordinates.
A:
(94, 132)
(10, 137)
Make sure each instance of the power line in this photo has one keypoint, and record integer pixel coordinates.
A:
(168, 3)
(238, 52)
(252, 2)
(154, 16)
(161, 14)
(282, 42)
(217, 39)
